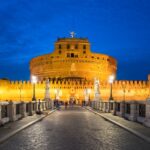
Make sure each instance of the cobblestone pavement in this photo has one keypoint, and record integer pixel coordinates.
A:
(74, 129)
(12, 126)
(130, 124)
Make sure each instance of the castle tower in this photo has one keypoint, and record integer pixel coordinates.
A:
(72, 59)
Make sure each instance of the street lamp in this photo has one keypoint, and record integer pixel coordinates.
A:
(111, 80)
(34, 81)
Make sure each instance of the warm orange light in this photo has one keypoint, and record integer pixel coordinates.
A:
(111, 79)
(33, 79)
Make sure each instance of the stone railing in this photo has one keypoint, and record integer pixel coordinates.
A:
(12, 111)
(138, 111)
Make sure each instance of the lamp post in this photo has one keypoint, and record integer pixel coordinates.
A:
(111, 80)
(34, 81)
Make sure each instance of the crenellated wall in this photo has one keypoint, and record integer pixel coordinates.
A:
(122, 90)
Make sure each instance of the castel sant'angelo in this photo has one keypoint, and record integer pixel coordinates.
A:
(71, 70)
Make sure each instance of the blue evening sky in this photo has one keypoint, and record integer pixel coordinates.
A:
(120, 28)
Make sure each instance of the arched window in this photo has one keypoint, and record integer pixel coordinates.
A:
(59, 46)
(76, 46)
(84, 46)
(72, 54)
(59, 51)
(68, 46)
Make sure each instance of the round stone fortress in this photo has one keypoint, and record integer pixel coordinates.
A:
(72, 58)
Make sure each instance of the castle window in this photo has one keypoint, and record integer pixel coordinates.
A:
(68, 46)
(84, 52)
(59, 46)
(76, 56)
(84, 46)
(59, 51)
(68, 54)
(72, 54)
(76, 46)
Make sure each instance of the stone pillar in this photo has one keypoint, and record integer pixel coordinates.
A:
(101, 106)
(107, 107)
(12, 111)
(147, 117)
(47, 106)
(133, 111)
(104, 106)
(43, 105)
(47, 92)
(122, 109)
(40, 106)
(114, 108)
(30, 108)
(51, 104)
(36, 106)
(23, 109)
(96, 105)
(48, 103)
(93, 102)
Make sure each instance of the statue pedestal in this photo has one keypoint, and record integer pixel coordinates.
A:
(47, 92)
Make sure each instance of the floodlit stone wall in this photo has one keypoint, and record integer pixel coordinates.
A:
(23, 90)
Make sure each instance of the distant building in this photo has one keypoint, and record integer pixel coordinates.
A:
(73, 59)
(71, 70)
